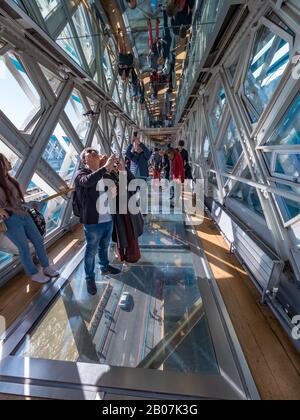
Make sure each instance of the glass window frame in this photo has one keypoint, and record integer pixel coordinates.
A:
(76, 165)
(50, 12)
(282, 206)
(279, 31)
(245, 173)
(279, 175)
(215, 94)
(226, 127)
(275, 179)
(30, 125)
(88, 28)
(70, 40)
(86, 105)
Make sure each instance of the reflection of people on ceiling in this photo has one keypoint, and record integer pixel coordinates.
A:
(125, 59)
(154, 46)
(132, 4)
(134, 85)
(166, 39)
(154, 78)
(142, 95)
(182, 15)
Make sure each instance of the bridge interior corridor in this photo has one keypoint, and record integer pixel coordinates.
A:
(175, 326)
(201, 93)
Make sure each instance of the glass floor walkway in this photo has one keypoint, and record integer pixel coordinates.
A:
(172, 338)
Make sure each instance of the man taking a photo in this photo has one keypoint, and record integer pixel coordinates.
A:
(98, 228)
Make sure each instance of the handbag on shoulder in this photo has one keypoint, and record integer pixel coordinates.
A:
(39, 220)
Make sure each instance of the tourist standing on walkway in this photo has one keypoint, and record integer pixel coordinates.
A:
(177, 166)
(98, 228)
(19, 226)
(139, 156)
(156, 163)
(185, 156)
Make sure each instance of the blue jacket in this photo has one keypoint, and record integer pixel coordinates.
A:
(141, 160)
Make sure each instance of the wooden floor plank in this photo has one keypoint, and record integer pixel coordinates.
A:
(274, 362)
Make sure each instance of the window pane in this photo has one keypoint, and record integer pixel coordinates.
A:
(82, 29)
(47, 6)
(247, 195)
(233, 68)
(231, 149)
(290, 209)
(98, 145)
(53, 81)
(61, 154)
(288, 165)
(66, 41)
(287, 132)
(269, 59)
(53, 210)
(217, 111)
(17, 89)
(75, 111)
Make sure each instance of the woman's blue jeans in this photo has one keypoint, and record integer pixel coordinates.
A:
(98, 238)
(21, 230)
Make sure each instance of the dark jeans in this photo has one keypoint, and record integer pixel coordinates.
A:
(98, 238)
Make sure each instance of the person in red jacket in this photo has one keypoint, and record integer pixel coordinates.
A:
(177, 165)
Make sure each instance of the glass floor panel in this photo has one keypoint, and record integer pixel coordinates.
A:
(164, 326)
(167, 234)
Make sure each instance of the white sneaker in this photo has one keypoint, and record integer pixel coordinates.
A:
(39, 278)
(51, 272)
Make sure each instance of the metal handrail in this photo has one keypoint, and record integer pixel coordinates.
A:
(53, 197)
